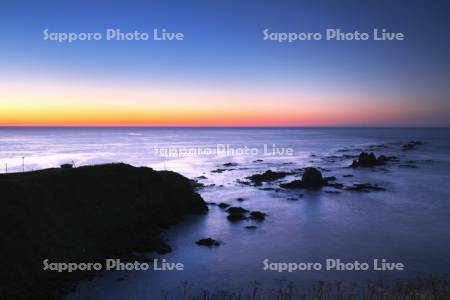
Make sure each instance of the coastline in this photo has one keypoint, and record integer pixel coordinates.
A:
(84, 214)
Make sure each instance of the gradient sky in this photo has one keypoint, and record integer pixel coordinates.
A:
(223, 73)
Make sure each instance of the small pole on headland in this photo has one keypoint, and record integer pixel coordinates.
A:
(23, 164)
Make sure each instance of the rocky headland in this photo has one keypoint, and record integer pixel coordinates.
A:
(83, 214)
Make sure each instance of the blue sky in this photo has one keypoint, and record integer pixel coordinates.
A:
(224, 49)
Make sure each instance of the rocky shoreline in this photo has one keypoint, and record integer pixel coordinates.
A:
(83, 214)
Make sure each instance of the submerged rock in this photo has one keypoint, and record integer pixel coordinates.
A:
(408, 166)
(223, 205)
(230, 164)
(332, 192)
(207, 242)
(295, 184)
(234, 209)
(267, 176)
(220, 170)
(411, 145)
(365, 187)
(335, 185)
(250, 227)
(257, 215)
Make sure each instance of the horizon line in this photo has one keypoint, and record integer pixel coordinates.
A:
(228, 126)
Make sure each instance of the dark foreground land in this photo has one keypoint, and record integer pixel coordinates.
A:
(84, 214)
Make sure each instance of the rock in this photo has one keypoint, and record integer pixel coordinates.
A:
(234, 209)
(295, 184)
(369, 160)
(312, 178)
(250, 227)
(382, 159)
(365, 160)
(236, 213)
(236, 217)
(365, 187)
(240, 199)
(411, 145)
(223, 205)
(347, 175)
(267, 176)
(258, 161)
(257, 215)
(196, 185)
(243, 182)
(207, 242)
(220, 170)
(332, 192)
(336, 185)
(271, 189)
(230, 164)
(202, 177)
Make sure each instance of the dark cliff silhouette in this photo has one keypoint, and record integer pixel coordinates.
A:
(81, 215)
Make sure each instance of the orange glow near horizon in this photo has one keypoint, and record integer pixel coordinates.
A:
(60, 104)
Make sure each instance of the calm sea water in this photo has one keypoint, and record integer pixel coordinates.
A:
(407, 223)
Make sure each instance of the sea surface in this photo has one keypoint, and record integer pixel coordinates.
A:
(407, 222)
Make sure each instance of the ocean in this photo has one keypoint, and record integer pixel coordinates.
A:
(407, 222)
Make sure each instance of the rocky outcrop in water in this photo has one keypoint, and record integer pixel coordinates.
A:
(257, 215)
(236, 213)
(267, 176)
(207, 242)
(369, 160)
(312, 178)
(223, 205)
(235, 216)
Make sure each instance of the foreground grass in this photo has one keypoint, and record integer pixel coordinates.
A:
(417, 289)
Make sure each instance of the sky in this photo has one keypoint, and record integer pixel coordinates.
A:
(224, 73)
